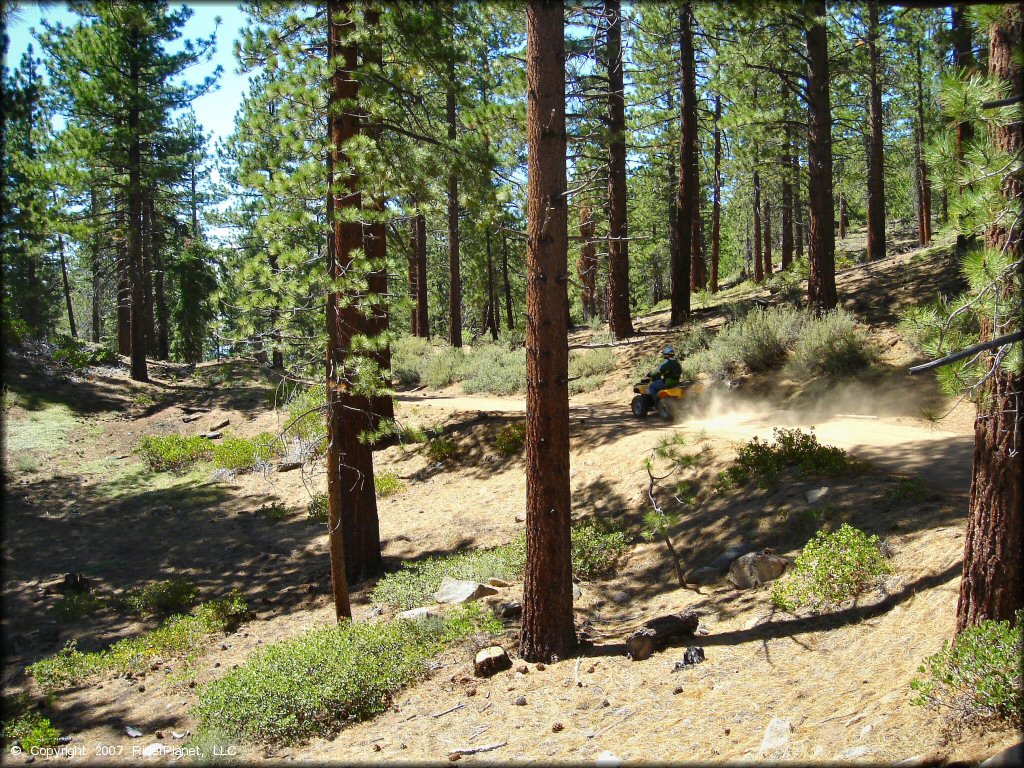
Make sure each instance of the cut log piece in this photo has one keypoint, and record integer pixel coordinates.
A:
(659, 632)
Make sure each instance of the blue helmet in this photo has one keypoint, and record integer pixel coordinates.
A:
(668, 351)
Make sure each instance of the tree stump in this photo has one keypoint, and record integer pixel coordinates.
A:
(659, 632)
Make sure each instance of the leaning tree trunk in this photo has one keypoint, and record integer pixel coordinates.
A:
(67, 287)
(876, 160)
(621, 321)
(716, 203)
(993, 576)
(688, 181)
(821, 284)
(587, 264)
(352, 504)
(548, 632)
(758, 259)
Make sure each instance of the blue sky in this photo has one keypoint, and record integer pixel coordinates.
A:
(216, 110)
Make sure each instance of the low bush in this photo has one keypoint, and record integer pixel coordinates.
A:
(980, 677)
(387, 484)
(445, 368)
(179, 637)
(314, 684)
(80, 354)
(160, 597)
(26, 727)
(511, 438)
(318, 508)
(173, 453)
(307, 413)
(245, 453)
(410, 356)
(791, 448)
(494, 369)
(440, 448)
(832, 567)
(588, 369)
(832, 345)
(595, 549)
(72, 606)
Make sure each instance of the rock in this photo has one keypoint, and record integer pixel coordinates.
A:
(557, 727)
(608, 759)
(620, 597)
(541, 666)
(500, 583)
(756, 568)
(775, 743)
(289, 465)
(691, 657)
(511, 610)
(459, 591)
(176, 735)
(189, 419)
(375, 612)
(852, 753)
(704, 576)
(223, 475)
(520, 701)
(490, 661)
(1011, 756)
(133, 733)
(577, 593)
(215, 435)
(521, 517)
(424, 612)
(724, 560)
(815, 495)
(74, 584)
(658, 632)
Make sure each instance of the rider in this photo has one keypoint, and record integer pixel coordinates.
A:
(667, 374)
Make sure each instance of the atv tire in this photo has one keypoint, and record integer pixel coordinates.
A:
(639, 406)
(667, 409)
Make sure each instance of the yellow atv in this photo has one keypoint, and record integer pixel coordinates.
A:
(670, 400)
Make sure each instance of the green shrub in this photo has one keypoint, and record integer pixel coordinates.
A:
(511, 438)
(244, 453)
(440, 448)
(445, 368)
(831, 345)
(595, 550)
(494, 369)
(387, 484)
(588, 369)
(979, 677)
(80, 354)
(180, 637)
(173, 453)
(318, 508)
(312, 685)
(25, 727)
(791, 448)
(410, 356)
(410, 434)
(831, 568)
(73, 606)
(307, 413)
(160, 597)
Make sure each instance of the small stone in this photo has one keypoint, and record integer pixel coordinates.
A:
(216, 664)
(775, 743)
(191, 683)
(376, 747)
(520, 702)
(461, 591)
(557, 728)
(677, 690)
(471, 692)
(490, 661)
(620, 597)
(142, 689)
(691, 657)
(756, 568)
(728, 731)
(176, 735)
(133, 733)
(521, 517)
(455, 756)
(159, 734)
(223, 646)
(605, 703)
(541, 666)
(815, 495)
(414, 614)
(523, 669)
(510, 610)
(577, 593)
(500, 583)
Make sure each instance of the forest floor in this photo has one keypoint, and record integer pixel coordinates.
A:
(77, 499)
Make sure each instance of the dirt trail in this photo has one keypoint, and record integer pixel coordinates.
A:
(939, 457)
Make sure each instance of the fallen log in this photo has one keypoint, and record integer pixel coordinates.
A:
(659, 632)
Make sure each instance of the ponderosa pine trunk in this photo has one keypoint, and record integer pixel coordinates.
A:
(508, 284)
(844, 216)
(786, 245)
(758, 248)
(414, 304)
(587, 264)
(147, 273)
(163, 346)
(548, 630)
(963, 58)
(924, 192)
(136, 279)
(492, 307)
(716, 199)
(688, 181)
(454, 265)
(876, 158)
(352, 504)
(673, 213)
(94, 264)
(67, 287)
(798, 208)
(821, 284)
(768, 268)
(993, 577)
(124, 289)
(422, 299)
(621, 321)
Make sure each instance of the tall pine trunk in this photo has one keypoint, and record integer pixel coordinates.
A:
(422, 299)
(798, 208)
(621, 320)
(163, 347)
(716, 199)
(147, 272)
(993, 576)
(492, 307)
(548, 631)
(352, 518)
(924, 192)
(758, 248)
(587, 265)
(454, 267)
(414, 306)
(768, 269)
(821, 284)
(876, 159)
(508, 284)
(124, 288)
(137, 318)
(963, 58)
(67, 287)
(688, 182)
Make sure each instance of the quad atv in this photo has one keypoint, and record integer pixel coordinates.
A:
(670, 400)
